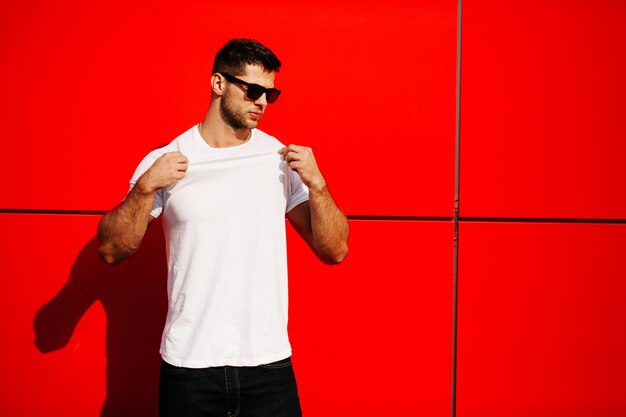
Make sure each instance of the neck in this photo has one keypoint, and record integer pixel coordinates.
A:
(219, 134)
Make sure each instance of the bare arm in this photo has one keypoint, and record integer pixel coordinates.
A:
(121, 230)
(319, 221)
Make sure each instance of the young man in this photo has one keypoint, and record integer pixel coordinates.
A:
(224, 189)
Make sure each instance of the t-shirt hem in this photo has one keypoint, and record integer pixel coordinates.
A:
(187, 363)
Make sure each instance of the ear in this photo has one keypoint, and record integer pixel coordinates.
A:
(217, 84)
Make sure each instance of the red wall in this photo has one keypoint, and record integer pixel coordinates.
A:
(89, 88)
(542, 293)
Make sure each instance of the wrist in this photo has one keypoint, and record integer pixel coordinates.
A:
(318, 186)
(143, 186)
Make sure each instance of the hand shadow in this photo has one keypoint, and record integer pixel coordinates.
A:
(134, 297)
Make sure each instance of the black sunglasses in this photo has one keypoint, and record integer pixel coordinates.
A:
(254, 91)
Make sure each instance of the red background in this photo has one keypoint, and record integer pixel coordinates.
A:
(89, 88)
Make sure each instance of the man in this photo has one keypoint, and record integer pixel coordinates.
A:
(224, 189)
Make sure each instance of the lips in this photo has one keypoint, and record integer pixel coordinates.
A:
(255, 115)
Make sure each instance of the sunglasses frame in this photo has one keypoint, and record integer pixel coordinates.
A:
(271, 94)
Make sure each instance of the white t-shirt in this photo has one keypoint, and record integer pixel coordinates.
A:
(224, 227)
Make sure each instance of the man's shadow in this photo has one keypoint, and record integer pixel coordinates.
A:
(134, 297)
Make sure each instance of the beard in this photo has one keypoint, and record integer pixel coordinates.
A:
(236, 118)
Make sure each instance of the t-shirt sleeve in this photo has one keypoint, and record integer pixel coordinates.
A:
(157, 206)
(298, 192)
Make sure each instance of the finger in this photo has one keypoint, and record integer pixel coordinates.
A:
(282, 150)
(287, 158)
(173, 154)
(295, 148)
(289, 149)
(291, 160)
(296, 155)
(296, 165)
(181, 159)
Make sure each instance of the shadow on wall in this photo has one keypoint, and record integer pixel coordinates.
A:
(134, 297)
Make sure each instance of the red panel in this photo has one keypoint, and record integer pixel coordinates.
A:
(372, 336)
(542, 312)
(543, 109)
(80, 337)
(379, 324)
(91, 88)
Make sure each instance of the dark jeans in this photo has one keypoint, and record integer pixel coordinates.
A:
(229, 391)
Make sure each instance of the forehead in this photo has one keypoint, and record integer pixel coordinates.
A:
(256, 74)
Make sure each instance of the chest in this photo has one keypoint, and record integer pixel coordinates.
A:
(216, 189)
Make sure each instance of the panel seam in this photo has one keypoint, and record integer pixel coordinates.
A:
(364, 217)
(457, 190)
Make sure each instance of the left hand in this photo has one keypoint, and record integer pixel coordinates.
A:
(301, 160)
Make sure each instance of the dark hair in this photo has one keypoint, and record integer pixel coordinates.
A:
(237, 53)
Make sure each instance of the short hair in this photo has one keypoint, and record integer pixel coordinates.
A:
(237, 53)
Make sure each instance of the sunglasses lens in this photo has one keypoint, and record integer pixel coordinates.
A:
(255, 91)
(272, 95)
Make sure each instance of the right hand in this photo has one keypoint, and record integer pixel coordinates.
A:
(169, 168)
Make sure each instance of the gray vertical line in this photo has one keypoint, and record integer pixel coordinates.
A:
(457, 180)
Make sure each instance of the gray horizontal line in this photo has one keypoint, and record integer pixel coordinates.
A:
(401, 218)
(541, 220)
(370, 217)
(53, 211)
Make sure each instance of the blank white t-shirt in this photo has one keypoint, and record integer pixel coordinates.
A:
(224, 226)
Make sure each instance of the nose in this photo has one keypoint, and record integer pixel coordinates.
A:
(261, 101)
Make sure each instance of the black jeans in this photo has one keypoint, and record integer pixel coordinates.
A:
(229, 391)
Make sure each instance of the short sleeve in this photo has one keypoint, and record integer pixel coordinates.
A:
(157, 207)
(298, 192)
